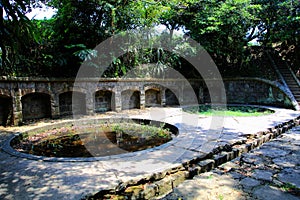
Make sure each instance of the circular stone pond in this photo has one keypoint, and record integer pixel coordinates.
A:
(93, 138)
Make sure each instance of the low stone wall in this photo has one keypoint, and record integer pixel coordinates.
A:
(30, 98)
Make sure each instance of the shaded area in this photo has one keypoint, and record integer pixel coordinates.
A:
(36, 106)
(152, 97)
(103, 101)
(171, 98)
(66, 102)
(130, 99)
(6, 108)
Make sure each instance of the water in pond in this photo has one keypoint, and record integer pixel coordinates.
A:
(92, 141)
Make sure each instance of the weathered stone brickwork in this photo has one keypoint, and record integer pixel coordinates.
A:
(31, 98)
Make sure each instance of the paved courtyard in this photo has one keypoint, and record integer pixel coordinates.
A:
(269, 172)
(264, 169)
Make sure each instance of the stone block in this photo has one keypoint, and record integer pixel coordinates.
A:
(206, 165)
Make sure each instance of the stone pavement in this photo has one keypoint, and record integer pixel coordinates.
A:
(24, 178)
(269, 172)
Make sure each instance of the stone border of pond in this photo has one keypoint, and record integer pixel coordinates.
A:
(10, 150)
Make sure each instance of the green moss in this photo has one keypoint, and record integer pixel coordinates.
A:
(236, 111)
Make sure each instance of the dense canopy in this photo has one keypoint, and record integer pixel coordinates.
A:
(227, 29)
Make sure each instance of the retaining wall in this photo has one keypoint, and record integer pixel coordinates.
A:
(31, 98)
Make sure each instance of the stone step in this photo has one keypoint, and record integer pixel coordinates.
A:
(295, 87)
(281, 66)
(297, 98)
(284, 71)
(286, 74)
(289, 76)
(289, 79)
(292, 84)
(295, 92)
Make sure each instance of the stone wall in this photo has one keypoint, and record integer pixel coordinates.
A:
(255, 92)
(30, 98)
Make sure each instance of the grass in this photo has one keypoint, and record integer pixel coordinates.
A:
(234, 111)
(38, 136)
(288, 187)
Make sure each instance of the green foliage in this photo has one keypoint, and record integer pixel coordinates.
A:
(278, 21)
(223, 27)
(16, 32)
(238, 111)
(144, 130)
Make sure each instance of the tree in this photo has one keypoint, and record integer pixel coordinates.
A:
(279, 25)
(17, 33)
(221, 27)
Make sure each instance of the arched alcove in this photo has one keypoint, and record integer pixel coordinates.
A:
(66, 101)
(5, 110)
(36, 106)
(103, 101)
(130, 99)
(171, 98)
(152, 97)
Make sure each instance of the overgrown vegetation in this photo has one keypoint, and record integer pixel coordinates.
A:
(225, 28)
(236, 111)
(103, 139)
